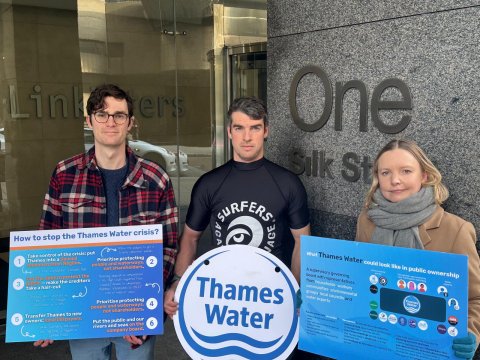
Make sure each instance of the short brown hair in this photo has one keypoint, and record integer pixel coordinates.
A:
(96, 100)
(251, 106)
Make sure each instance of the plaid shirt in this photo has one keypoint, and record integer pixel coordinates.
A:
(76, 199)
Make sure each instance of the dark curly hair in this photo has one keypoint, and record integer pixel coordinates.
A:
(96, 100)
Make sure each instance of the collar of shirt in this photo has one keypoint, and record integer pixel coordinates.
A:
(135, 176)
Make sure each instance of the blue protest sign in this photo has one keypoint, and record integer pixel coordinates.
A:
(380, 302)
(85, 283)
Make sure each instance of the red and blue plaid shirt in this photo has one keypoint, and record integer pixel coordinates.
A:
(76, 199)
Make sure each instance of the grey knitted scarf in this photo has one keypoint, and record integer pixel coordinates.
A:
(397, 223)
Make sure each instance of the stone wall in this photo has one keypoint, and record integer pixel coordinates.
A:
(430, 50)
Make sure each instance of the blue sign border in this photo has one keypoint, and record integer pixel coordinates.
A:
(340, 278)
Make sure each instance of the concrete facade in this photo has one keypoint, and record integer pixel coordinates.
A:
(432, 48)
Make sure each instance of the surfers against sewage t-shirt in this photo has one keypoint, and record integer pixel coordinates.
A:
(253, 204)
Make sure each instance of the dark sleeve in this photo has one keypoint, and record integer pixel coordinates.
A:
(199, 210)
(168, 217)
(52, 217)
(298, 213)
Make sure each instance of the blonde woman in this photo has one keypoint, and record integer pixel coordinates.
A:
(403, 208)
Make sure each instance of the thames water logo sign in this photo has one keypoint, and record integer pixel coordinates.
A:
(411, 304)
(237, 302)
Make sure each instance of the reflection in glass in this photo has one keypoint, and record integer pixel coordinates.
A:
(156, 49)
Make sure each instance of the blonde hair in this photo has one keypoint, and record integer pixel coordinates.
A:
(434, 178)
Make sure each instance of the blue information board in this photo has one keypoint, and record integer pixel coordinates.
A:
(85, 283)
(370, 301)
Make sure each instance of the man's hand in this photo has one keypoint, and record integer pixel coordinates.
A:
(169, 305)
(187, 249)
(43, 343)
(136, 341)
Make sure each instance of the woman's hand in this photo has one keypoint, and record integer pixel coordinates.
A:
(465, 347)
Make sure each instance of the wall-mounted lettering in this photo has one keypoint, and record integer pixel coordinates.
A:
(323, 164)
(341, 89)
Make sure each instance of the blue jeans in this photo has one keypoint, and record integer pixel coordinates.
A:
(100, 349)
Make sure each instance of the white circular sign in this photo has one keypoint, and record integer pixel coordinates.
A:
(237, 302)
(152, 323)
(18, 284)
(422, 325)
(16, 319)
(152, 303)
(383, 317)
(152, 261)
(19, 261)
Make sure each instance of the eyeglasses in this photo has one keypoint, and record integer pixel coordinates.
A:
(118, 118)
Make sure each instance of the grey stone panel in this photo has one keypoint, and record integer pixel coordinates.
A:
(332, 225)
(436, 55)
(290, 17)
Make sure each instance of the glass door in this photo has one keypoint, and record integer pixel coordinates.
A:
(248, 74)
(249, 70)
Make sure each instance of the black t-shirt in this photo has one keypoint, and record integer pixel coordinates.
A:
(253, 203)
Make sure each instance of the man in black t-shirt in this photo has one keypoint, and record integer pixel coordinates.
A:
(249, 200)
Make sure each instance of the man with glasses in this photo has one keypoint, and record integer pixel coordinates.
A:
(110, 186)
